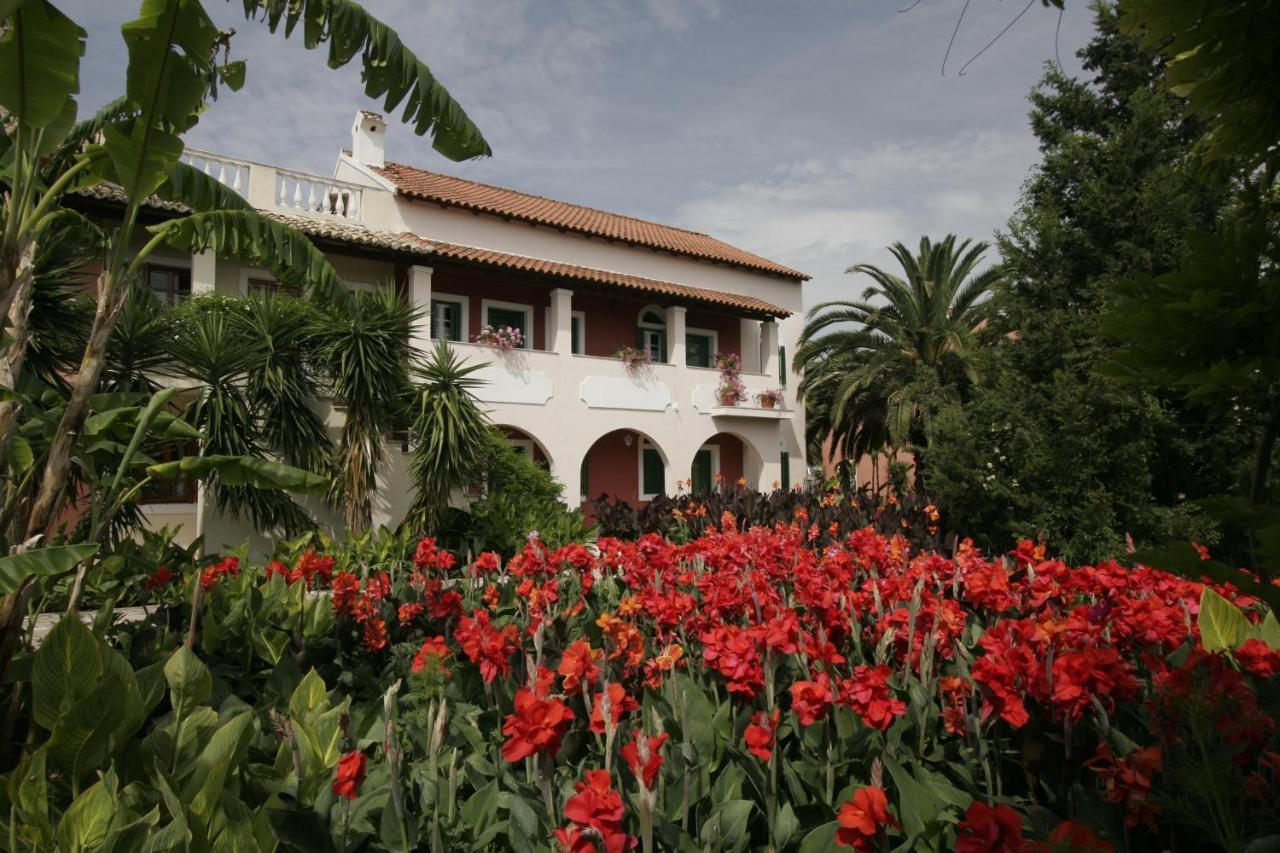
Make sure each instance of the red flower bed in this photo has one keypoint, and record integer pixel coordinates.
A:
(763, 689)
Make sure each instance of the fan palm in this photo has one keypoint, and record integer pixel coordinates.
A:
(877, 367)
(365, 354)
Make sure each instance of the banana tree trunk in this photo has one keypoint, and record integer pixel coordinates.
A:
(12, 361)
(44, 509)
(112, 291)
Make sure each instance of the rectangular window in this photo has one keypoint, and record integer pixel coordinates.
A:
(653, 479)
(786, 470)
(171, 285)
(584, 480)
(699, 350)
(511, 317)
(446, 320)
(654, 342)
(701, 474)
(577, 345)
(782, 366)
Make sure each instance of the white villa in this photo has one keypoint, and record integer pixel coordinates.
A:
(579, 283)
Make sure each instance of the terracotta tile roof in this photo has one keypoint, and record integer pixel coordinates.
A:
(411, 244)
(524, 263)
(458, 192)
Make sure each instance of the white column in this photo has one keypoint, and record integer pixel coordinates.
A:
(420, 298)
(570, 476)
(750, 344)
(561, 328)
(261, 192)
(769, 349)
(676, 334)
(204, 273)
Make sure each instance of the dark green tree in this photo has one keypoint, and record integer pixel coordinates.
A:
(1048, 446)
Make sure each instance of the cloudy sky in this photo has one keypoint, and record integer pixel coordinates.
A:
(811, 131)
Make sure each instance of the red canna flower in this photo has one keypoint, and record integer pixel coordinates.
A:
(596, 806)
(619, 703)
(644, 769)
(161, 577)
(1128, 781)
(433, 653)
(869, 695)
(863, 817)
(989, 830)
(759, 734)
(350, 774)
(1259, 659)
(488, 647)
(810, 699)
(409, 611)
(1070, 837)
(535, 727)
(346, 587)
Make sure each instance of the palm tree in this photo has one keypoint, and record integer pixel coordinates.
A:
(875, 369)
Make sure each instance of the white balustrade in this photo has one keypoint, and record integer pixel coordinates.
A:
(226, 170)
(290, 191)
(300, 192)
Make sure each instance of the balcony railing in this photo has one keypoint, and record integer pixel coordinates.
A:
(269, 187)
(541, 378)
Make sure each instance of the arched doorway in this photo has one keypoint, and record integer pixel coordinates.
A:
(523, 442)
(725, 461)
(625, 464)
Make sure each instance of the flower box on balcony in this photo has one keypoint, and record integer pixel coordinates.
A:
(505, 338)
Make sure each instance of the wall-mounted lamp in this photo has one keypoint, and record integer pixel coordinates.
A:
(629, 438)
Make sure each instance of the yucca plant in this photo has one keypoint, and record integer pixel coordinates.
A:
(211, 350)
(365, 355)
(449, 432)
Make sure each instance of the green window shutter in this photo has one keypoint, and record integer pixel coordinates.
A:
(697, 350)
(782, 365)
(446, 320)
(701, 473)
(575, 335)
(654, 475)
(584, 480)
(786, 470)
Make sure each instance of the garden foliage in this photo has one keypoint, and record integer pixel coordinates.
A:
(748, 689)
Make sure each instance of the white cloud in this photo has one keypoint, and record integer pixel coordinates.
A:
(822, 217)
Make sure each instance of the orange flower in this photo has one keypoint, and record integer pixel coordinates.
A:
(579, 664)
(619, 704)
(433, 653)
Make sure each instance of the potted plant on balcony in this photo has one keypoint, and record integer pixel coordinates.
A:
(770, 398)
(505, 338)
(731, 391)
(634, 358)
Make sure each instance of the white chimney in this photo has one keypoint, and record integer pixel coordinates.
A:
(368, 138)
